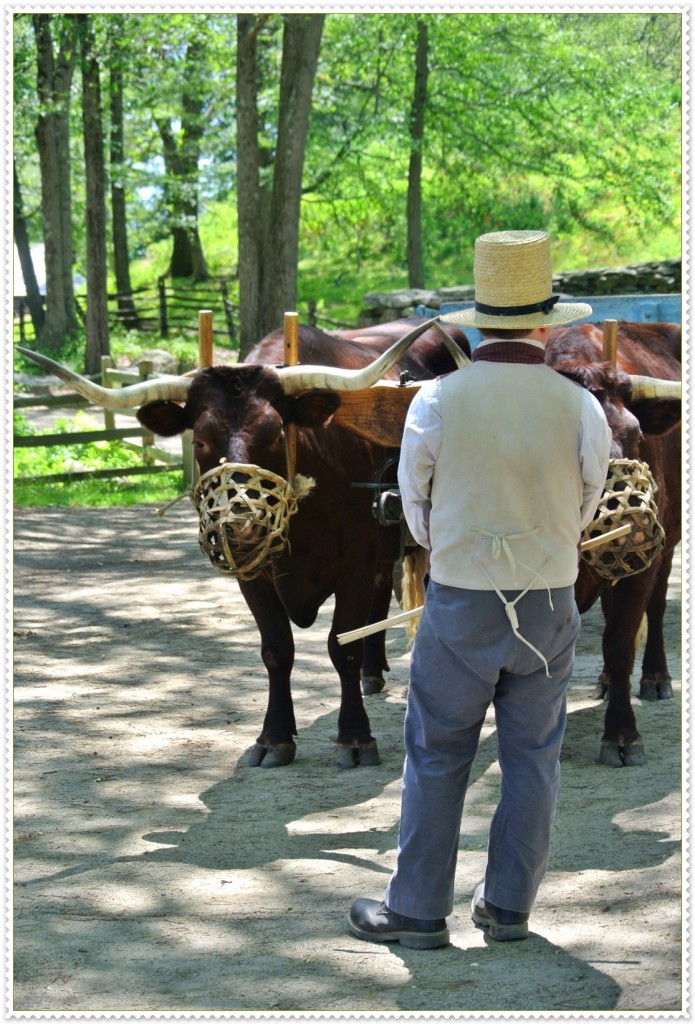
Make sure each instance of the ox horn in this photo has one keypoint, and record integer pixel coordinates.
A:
(175, 389)
(652, 387)
(459, 357)
(332, 378)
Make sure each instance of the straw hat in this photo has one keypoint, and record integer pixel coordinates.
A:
(513, 278)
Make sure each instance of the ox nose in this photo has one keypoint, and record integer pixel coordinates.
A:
(244, 516)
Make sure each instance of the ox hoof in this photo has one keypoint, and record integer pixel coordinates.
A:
(615, 755)
(372, 684)
(275, 756)
(364, 755)
(634, 755)
(655, 688)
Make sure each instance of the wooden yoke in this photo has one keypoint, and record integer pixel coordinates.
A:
(610, 341)
(377, 413)
(291, 359)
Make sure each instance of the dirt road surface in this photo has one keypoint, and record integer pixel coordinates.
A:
(155, 872)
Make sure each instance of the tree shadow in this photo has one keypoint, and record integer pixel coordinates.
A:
(311, 809)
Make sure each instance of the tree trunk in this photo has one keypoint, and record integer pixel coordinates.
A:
(181, 161)
(21, 237)
(53, 80)
(97, 328)
(127, 314)
(300, 53)
(250, 230)
(269, 238)
(416, 268)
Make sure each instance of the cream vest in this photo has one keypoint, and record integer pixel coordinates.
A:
(507, 486)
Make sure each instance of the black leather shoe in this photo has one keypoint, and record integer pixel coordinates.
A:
(502, 925)
(374, 922)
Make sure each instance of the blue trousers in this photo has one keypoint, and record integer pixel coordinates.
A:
(466, 656)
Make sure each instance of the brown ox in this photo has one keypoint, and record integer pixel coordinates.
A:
(242, 414)
(646, 428)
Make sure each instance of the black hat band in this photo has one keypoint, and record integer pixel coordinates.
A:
(545, 306)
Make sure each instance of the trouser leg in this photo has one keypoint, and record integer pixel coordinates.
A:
(447, 703)
(530, 714)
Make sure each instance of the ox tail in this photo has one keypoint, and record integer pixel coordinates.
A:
(413, 586)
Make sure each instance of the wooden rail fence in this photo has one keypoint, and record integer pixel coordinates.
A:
(167, 307)
(154, 459)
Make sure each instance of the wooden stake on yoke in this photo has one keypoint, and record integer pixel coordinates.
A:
(204, 338)
(190, 466)
(291, 359)
(610, 341)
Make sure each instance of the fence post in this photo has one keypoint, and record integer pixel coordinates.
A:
(106, 365)
(145, 368)
(163, 325)
(228, 310)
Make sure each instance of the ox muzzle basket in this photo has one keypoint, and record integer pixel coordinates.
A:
(244, 516)
(628, 498)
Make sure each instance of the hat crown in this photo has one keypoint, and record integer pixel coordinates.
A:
(512, 268)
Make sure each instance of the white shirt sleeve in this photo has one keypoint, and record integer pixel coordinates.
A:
(420, 446)
(595, 441)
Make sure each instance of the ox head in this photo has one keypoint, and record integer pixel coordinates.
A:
(635, 406)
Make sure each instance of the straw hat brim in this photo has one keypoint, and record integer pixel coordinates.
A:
(561, 313)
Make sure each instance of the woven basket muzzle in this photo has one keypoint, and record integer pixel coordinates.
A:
(244, 516)
(627, 499)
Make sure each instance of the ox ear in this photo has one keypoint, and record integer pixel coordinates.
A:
(657, 415)
(163, 418)
(313, 409)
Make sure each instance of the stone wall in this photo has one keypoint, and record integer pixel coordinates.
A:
(656, 278)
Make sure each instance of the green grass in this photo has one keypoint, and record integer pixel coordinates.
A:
(115, 493)
(154, 488)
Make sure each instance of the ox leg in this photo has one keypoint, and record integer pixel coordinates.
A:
(655, 683)
(275, 746)
(623, 608)
(355, 743)
(374, 662)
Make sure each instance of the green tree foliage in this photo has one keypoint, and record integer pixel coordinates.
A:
(563, 121)
(567, 121)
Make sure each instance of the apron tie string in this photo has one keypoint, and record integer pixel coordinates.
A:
(510, 606)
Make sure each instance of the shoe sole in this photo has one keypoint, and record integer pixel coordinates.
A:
(500, 932)
(413, 940)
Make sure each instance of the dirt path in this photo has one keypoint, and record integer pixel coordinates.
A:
(155, 872)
